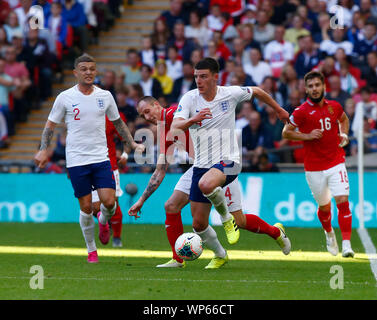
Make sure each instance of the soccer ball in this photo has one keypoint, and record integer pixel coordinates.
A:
(189, 246)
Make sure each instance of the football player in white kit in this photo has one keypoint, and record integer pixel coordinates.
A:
(209, 113)
(152, 111)
(84, 108)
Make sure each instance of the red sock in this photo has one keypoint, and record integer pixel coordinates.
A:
(116, 222)
(325, 219)
(345, 220)
(174, 228)
(257, 225)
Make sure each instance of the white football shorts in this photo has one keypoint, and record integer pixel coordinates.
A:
(327, 183)
(118, 190)
(232, 190)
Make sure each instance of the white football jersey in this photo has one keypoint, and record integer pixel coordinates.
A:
(214, 139)
(86, 123)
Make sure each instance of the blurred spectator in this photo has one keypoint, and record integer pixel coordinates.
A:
(348, 81)
(74, 14)
(4, 11)
(263, 164)
(3, 38)
(247, 35)
(368, 106)
(264, 31)
(58, 154)
(196, 56)
(226, 75)
(213, 20)
(370, 139)
(17, 70)
(103, 15)
(160, 74)
(184, 83)
(222, 50)
(329, 46)
(336, 93)
(295, 31)
(288, 81)
(327, 67)
(129, 111)
(108, 81)
(303, 12)
(134, 95)
(151, 86)
(370, 72)
(22, 12)
(12, 26)
(212, 53)
(324, 28)
(240, 55)
(197, 30)
(257, 69)
(252, 136)
(249, 15)
(229, 31)
(368, 10)
(278, 52)
(234, 7)
(173, 63)
(185, 46)
(365, 42)
(39, 62)
(131, 70)
(293, 101)
(349, 109)
(147, 54)
(160, 37)
(307, 58)
(3, 132)
(269, 85)
(245, 79)
(58, 27)
(174, 14)
(242, 118)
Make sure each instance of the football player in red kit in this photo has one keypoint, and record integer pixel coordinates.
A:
(323, 126)
(116, 219)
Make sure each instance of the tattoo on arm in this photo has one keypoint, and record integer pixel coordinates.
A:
(155, 180)
(123, 131)
(46, 138)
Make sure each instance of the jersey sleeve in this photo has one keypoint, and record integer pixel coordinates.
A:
(112, 111)
(57, 112)
(297, 117)
(339, 110)
(242, 93)
(183, 109)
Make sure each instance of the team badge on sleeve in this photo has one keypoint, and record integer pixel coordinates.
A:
(100, 103)
(246, 89)
(179, 109)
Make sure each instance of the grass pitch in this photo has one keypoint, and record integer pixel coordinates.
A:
(257, 268)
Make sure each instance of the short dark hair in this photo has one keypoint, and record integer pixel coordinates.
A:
(147, 99)
(208, 63)
(146, 66)
(312, 75)
(83, 58)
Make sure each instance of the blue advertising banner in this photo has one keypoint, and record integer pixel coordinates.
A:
(283, 197)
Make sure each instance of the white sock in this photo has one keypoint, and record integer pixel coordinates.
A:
(87, 226)
(106, 214)
(211, 241)
(217, 198)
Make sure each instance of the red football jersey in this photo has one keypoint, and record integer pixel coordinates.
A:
(110, 134)
(320, 154)
(166, 119)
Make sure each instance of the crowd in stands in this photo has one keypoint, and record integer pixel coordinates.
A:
(38, 39)
(266, 43)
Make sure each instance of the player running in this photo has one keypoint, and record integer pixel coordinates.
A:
(84, 108)
(323, 126)
(152, 111)
(116, 219)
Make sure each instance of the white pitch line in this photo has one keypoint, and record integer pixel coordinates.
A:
(191, 280)
(370, 249)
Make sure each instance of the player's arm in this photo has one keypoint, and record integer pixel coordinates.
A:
(263, 96)
(126, 135)
(154, 182)
(290, 133)
(184, 124)
(344, 126)
(41, 158)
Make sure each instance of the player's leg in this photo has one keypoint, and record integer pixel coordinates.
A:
(339, 187)
(211, 184)
(318, 184)
(200, 213)
(173, 225)
(116, 219)
(81, 182)
(252, 222)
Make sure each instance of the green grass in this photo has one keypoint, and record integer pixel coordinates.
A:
(124, 277)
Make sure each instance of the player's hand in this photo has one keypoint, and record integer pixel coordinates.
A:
(283, 115)
(41, 158)
(135, 209)
(344, 140)
(139, 148)
(202, 115)
(122, 161)
(315, 134)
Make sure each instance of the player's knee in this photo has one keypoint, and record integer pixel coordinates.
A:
(326, 207)
(172, 207)
(109, 203)
(341, 199)
(206, 186)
